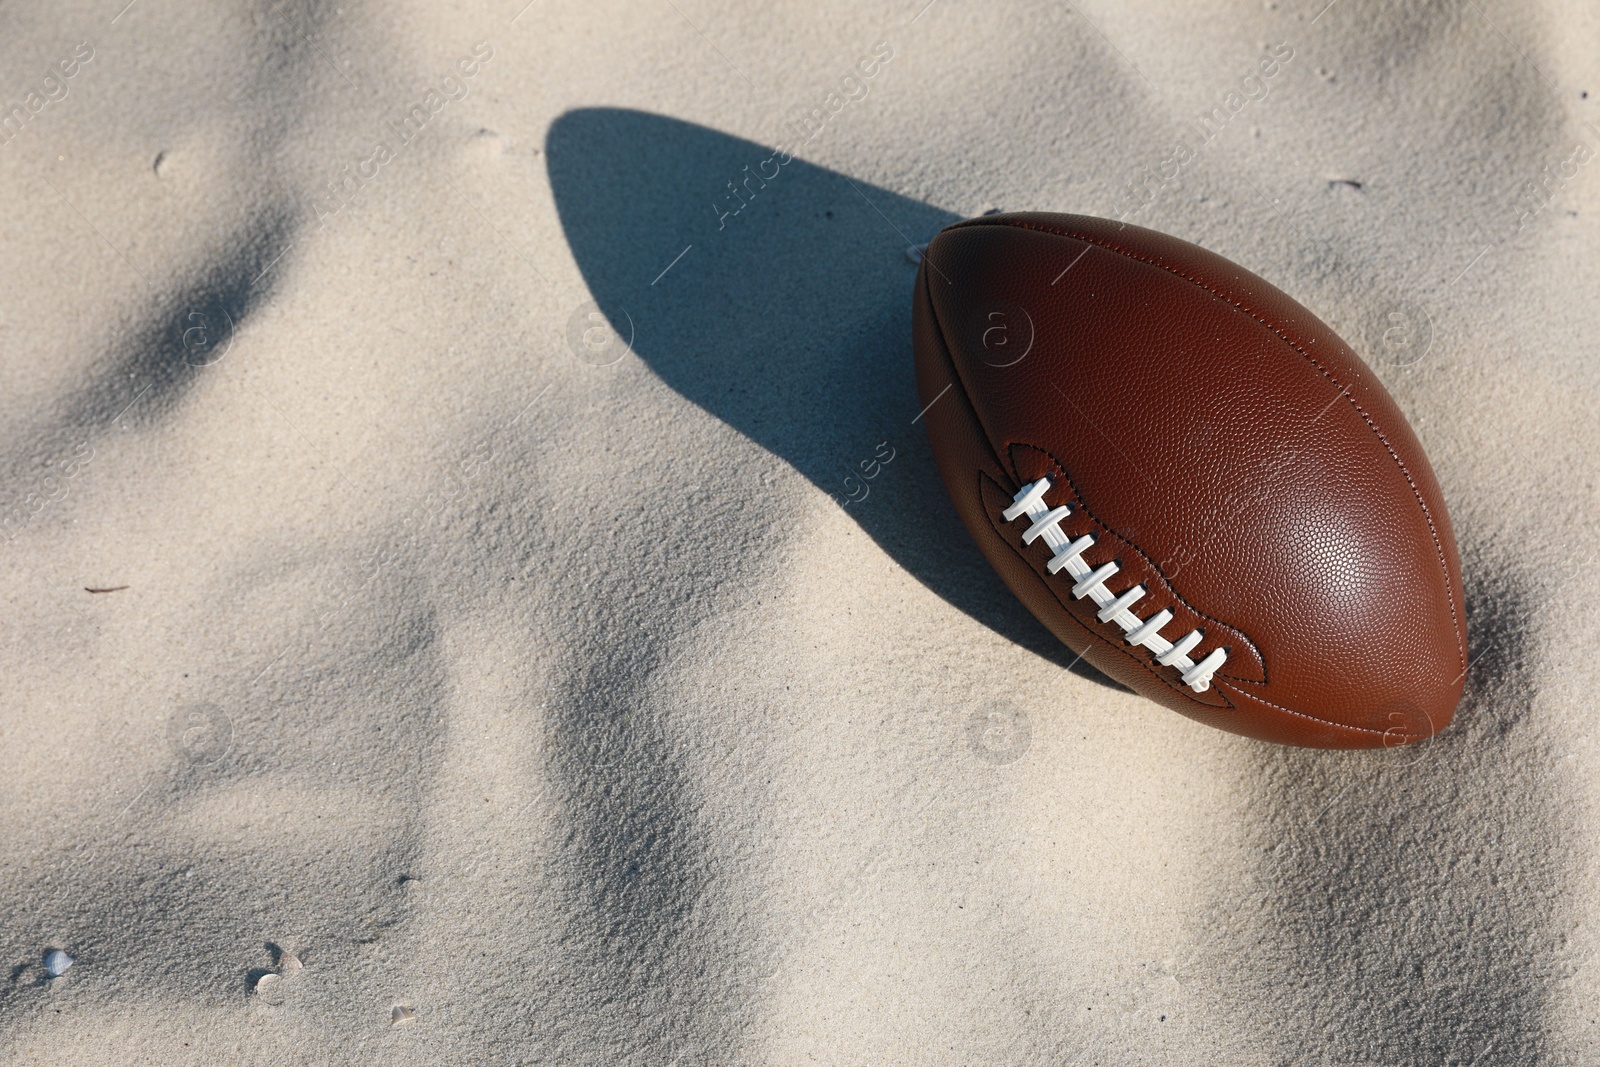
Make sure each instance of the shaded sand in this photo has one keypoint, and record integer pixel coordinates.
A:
(555, 699)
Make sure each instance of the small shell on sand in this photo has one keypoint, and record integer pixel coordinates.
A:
(56, 963)
(401, 1015)
(269, 987)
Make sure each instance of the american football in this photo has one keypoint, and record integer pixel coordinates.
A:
(1190, 480)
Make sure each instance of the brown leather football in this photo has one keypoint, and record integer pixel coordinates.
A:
(1190, 479)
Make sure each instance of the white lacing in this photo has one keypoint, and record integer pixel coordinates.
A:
(1068, 555)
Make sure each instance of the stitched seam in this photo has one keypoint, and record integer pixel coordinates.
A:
(1427, 515)
(1003, 462)
(1153, 670)
(949, 361)
(1326, 722)
(1084, 508)
(1240, 683)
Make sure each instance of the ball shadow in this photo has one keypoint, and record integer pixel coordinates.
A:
(776, 295)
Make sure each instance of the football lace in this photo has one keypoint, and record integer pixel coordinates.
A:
(1091, 582)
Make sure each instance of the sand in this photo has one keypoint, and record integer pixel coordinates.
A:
(507, 659)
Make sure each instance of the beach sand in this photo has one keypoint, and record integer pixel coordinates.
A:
(507, 658)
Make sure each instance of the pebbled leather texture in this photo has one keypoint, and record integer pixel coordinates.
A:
(1225, 447)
